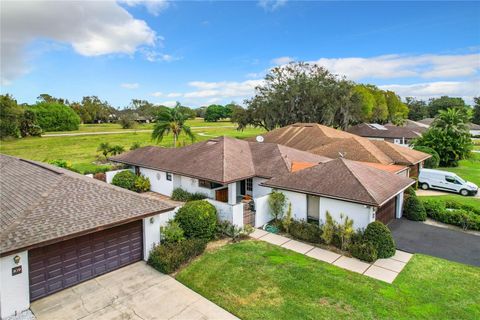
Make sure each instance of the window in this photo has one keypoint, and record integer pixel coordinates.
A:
(249, 184)
(169, 176)
(450, 179)
(208, 184)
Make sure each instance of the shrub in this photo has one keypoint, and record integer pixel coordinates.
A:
(168, 257)
(277, 202)
(364, 250)
(29, 125)
(380, 236)
(410, 191)
(458, 217)
(53, 116)
(432, 162)
(303, 230)
(287, 220)
(141, 184)
(125, 179)
(135, 145)
(225, 228)
(198, 219)
(116, 149)
(328, 229)
(127, 122)
(414, 210)
(179, 194)
(172, 232)
(63, 164)
(344, 231)
(100, 176)
(433, 206)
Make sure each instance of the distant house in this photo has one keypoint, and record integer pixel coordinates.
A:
(401, 135)
(333, 143)
(237, 177)
(474, 128)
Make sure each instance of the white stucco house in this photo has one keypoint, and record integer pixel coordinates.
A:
(59, 228)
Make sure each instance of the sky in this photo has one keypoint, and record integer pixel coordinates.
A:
(205, 52)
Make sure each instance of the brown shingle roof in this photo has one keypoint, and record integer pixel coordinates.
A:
(344, 179)
(222, 160)
(392, 131)
(328, 142)
(401, 154)
(41, 203)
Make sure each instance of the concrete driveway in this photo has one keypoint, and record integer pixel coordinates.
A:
(418, 237)
(136, 292)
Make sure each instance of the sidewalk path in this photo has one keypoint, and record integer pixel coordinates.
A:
(382, 269)
(119, 132)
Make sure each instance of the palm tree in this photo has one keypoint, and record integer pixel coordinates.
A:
(452, 119)
(171, 121)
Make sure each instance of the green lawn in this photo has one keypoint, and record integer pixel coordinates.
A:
(82, 150)
(256, 280)
(468, 169)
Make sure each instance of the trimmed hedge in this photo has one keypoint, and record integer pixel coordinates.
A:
(380, 236)
(303, 230)
(365, 251)
(413, 209)
(168, 257)
(125, 179)
(460, 215)
(179, 194)
(198, 219)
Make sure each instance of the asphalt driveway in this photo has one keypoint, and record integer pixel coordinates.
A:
(417, 237)
(134, 292)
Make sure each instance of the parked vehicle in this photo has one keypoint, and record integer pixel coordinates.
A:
(446, 181)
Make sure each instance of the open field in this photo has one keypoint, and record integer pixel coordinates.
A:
(82, 150)
(256, 280)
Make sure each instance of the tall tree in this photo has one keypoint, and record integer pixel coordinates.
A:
(92, 109)
(171, 121)
(380, 109)
(396, 108)
(418, 109)
(10, 116)
(476, 110)
(214, 113)
(444, 103)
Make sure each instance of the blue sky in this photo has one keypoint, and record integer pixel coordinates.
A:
(216, 52)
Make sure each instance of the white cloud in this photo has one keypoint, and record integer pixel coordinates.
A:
(154, 7)
(271, 5)
(464, 89)
(282, 60)
(130, 85)
(174, 95)
(156, 94)
(429, 66)
(169, 103)
(92, 28)
(154, 56)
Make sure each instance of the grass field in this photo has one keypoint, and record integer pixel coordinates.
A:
(82, 150)
(468, 169)
(256, 280)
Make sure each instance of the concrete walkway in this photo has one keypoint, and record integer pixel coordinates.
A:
(134, 292)
(382, 269)
(123, 131)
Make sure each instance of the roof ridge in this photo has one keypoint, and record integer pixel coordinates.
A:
(358, 179)
(360, 139)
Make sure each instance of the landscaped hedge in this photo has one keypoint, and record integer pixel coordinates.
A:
(168, 257)
(364, 250)
(179, 194)
(55, 117)
(413, 209)
(128, 180)
(380, 236)
(303, 230)
(198, 219)
(454, 213)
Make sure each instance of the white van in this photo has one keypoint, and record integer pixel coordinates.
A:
(446, 181)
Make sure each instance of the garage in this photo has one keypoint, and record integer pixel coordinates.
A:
(386, 213)
(64, 264)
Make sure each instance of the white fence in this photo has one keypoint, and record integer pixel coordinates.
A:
(262, 211)
(227, 212)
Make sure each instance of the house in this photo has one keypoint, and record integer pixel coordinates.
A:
(401, 135)
(234, 173)
(333, 143)
(473, 128)
(59, 228)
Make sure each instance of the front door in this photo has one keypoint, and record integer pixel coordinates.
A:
(313, 207)
(221, 195)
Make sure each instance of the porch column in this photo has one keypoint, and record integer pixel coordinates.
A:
(399, 206)
(232, 193)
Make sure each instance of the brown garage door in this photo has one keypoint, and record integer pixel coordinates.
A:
(64, 264)
(387, 212)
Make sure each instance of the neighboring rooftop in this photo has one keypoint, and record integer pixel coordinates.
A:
(429, 121)
(399, 154)
(333, 143)
(222, 160)
(374, 130)
(344, 179)
(41, 203)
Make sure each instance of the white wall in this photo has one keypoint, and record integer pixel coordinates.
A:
(14, 290)
(110, 174)
(262, 211)
(399, 206)
(299, 204)
(359, 213)
(191, 185)
(151, 230)
(258, 190)
(158, 181)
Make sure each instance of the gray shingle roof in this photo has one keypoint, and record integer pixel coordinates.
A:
(392, 131)
(344, 179)
(221, 160)
(41, 203)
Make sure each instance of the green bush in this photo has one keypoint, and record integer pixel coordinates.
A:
(452, 204)
(413, 209)
(168, 257)
(125, 179)
(172, 232)
(303, 230)
(458, 217)
(141, 184)
(365, 251)
(410, 191)
(63, 164)
(179, 194)
(380, 236)
(198, 219)
(432, 162)
(52, 116)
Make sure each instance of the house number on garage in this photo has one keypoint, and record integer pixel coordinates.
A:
(16, 270)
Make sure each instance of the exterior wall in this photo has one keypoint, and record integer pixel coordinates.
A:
(299, 204)
(258, 190)
(151, 230)
(191, 185)
(158, 181)
(262, 211)
(361, 214)
(14, 290)
(404, 173)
